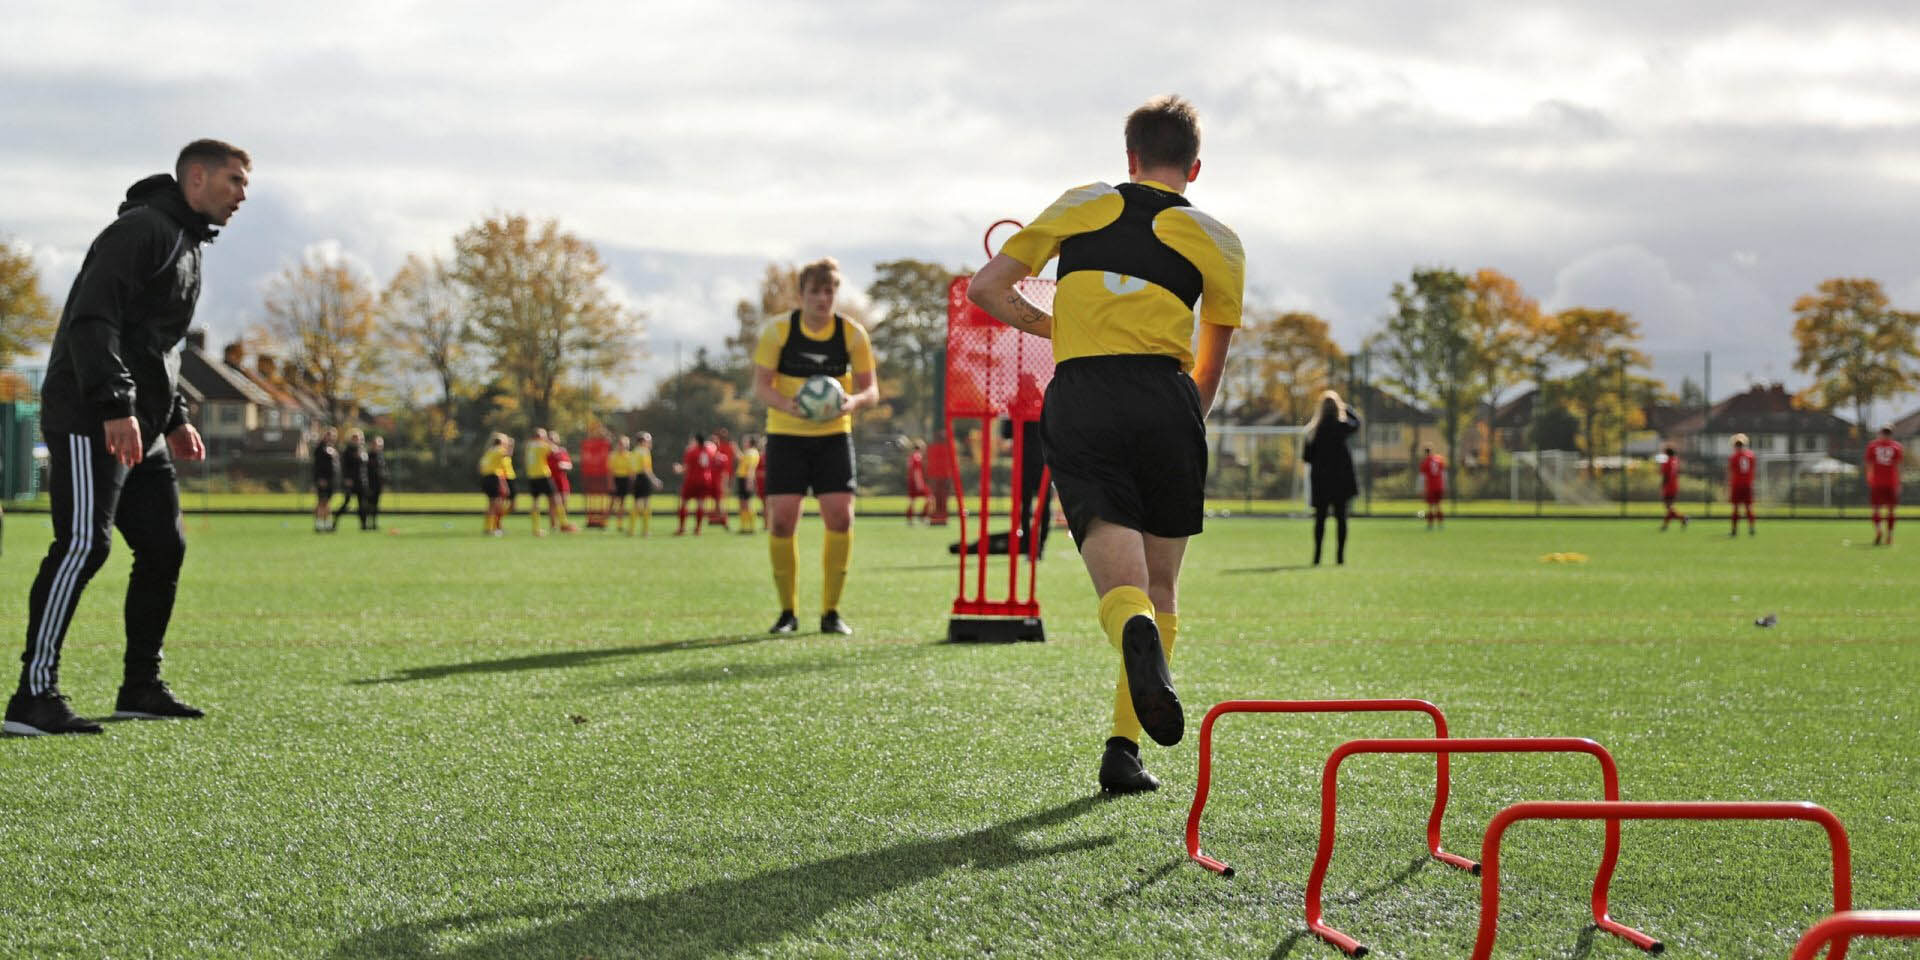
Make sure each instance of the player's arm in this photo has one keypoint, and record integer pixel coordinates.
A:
(994, 289)
(764, 392)
(1209, 361)
(866, 385)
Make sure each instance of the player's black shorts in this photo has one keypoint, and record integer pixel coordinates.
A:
(1126, 442)
(540, 486)
(322, 488)
(814, 465)
(621, 487)
(742, 489)
(642, 485)
(493, 486)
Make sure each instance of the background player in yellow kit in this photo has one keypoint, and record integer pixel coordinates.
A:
(744, 469)
(1123, 424)
(805, 455)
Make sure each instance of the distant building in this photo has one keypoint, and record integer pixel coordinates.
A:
(1775, 424)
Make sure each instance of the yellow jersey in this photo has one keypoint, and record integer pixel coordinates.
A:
(537, 459)
(1134, 260)
(642, 462)
(795, 354)
(620, 463)
(496, 462)
(749, 461)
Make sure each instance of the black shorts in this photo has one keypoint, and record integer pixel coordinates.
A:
(814, 465)
(742, 489)
(494, 487)
(1126, 442)
(540, 487)
(643, 485)
(621, 487)
(323, 488)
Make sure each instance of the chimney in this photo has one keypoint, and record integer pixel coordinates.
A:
(234, 354)
(197, 338)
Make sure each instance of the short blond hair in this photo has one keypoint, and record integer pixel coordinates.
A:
(1740, 440)
(825, 270)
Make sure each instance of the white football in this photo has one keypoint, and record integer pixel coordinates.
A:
(820, 398)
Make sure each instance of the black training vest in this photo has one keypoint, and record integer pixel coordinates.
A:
(802, 356)
(1128, 246)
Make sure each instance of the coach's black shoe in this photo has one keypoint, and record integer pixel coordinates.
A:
(152, 701)
(830, 622)
(788, 623)
(1120, 769)
(1150, 683)
(48, 713)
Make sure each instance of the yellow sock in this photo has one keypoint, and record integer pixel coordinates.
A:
(1120, 605)
(746, 518)
(1125, 724)
(646, 518)
(785, 552)
(833, 561)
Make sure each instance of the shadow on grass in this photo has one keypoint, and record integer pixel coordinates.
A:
(1134, 888)
(1280, 569)
(722, 917)
(562, 658)
(1286, 947)
(741, 672)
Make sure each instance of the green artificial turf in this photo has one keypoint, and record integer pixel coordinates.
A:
(425, 743)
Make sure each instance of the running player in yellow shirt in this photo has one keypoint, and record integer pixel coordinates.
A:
(805, 455)
(1124, 422)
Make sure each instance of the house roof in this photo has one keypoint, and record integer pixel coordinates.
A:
(1381, 406)
(214, 380)
(1907, 426)
(1762, 409)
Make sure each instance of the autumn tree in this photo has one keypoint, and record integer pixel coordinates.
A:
(909, 331)
(1601, 342)
(27, 317)
(541, 310)
(322, 312)
(1504, 332)
(1427, 352)
(425, 325)
(1293, 353)
(1858, 348)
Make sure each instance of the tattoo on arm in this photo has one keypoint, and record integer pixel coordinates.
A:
(1021, 312)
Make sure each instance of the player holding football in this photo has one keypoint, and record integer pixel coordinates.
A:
(1740, 483)
(1883, 482)
(805, 455)
(1433, 468)
(1670, 486)
(1123, 424)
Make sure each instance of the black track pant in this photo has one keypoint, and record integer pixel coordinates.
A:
(92, 493)
(370, 508)
(1339, 511)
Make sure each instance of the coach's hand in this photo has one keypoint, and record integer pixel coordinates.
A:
(185, 444)
(123, 440)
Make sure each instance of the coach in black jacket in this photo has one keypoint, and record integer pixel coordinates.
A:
(114, 421)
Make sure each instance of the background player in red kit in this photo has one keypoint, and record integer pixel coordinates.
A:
(1740, 483)
(1883, 482)
(1670, 486)
(1433, 467)
(917, 480)
(695, 463)
(719, 474)
(560, 463)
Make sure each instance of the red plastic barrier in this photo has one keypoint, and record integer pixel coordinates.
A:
(1329, 803)
(1319, 706)
(1614, 812)
(1857, 923)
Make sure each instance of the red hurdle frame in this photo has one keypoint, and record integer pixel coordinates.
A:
(1329, 806)
(1857, 923)
(1400, 705)
(1613, 812)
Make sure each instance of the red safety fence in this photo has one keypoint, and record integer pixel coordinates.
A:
(1329, 804)
(1613, 812)
(1318, 706)
(1857, 923)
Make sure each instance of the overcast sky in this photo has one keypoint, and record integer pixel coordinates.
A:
(1698, 165)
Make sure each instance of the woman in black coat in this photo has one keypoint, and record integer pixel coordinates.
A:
(1331, 481)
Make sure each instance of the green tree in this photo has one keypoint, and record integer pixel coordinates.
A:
(1427, 351)
(1858, 348)
(321, 311)
(909, 303)
(27, 317)
(542, 312)
(425, 327)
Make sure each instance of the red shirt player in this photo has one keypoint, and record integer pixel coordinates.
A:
(720, 473)
(1740, 483)
(1433, 468)
(1883, 482)
(1670, 486)
(558, 463)
(917, 480)
(694, 468)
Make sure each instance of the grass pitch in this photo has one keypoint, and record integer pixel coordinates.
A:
(427, 744)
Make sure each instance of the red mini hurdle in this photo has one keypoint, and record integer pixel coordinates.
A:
(1319, 706)
(1329, 804)
(1857, 923)
(1613, 812)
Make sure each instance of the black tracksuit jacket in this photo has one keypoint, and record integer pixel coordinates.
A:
(116, 352)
